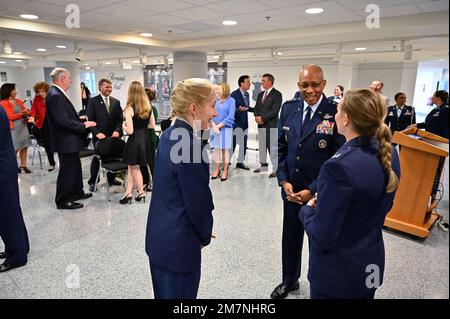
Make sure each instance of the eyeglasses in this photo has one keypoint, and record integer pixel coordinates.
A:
(314, 85)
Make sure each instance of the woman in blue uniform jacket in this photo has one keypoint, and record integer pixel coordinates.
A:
(180, 215)
(356, 189)
(12, 227)
(437, 121)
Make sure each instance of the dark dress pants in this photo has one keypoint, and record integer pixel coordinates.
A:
(69, 184)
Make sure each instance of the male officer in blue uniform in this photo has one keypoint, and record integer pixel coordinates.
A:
(307, 137)
(240, 135)
(400, 115)
(13, 232)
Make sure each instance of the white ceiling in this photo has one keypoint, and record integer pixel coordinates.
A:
(197, 24)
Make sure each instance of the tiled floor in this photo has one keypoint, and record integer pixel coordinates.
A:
(103, 243)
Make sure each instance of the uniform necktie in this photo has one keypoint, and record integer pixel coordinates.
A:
(306, 119)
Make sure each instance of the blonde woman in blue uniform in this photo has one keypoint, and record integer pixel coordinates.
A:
(180, 215)
(356, 189)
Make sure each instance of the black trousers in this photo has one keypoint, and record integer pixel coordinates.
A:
(95, 167)
(43, 134)
(12, 226)
(145, 173)
(69, 184)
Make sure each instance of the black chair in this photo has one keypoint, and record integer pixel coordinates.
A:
(109, 152)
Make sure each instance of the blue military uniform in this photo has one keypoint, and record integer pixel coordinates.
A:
(301, 153)
(12, 227)
(180, 215)
(399, 123)
(437, 121)
(345, 228)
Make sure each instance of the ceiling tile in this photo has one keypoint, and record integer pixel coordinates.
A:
(234, 7)
(336, 18)
(121, 11)
(434, 6)
(198, 14)
(358, 5)
(85, 5)
(163, 20)
(40, 9)
(201, 2)
(159, 6)
(197, 27)
(286, 3)
(6, 5)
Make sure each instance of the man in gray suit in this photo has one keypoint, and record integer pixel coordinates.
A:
(267, 107)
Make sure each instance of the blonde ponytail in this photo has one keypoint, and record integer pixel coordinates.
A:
(384, 137)
(367, 111)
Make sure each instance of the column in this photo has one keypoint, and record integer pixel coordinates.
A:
(189, 64)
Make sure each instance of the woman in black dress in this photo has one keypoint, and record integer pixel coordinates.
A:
(138, 151)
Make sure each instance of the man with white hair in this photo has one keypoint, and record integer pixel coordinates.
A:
(377, 86)
(67, 139)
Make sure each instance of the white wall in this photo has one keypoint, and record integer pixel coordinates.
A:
(397, 77)
(121, 80)
(24, 79)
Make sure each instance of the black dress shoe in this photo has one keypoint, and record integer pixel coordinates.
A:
(83, 196)
(243, 166)
(3, 255)
(115, 183)
(70, 205)
(273, 174)
(282, 290)
(6, 267)
(92, 188)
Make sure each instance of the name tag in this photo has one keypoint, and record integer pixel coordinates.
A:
(391, 114)
(326, 127)
(286, 128)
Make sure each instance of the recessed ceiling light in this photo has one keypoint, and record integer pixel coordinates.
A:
(88, 68)
(314, 10)
(18, 60)
(229, 22)
(108, 63)
(29, 16)
(2, 62)
(17, 53)
(279, 53)
(61, 46)
(216, 57)
(360, 49)
(41, 49)
(146, 35)
(136, 61)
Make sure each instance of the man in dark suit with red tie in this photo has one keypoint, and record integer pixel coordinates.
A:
(266, 111)
(67, 137)
(107, 113)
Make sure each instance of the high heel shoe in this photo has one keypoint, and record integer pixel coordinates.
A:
(139, 197)
(126, 199)
(215, 177)
(223, 179)
(148, 188)
(25, 169)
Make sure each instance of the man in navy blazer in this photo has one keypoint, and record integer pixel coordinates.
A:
(67, 138)
(13, 232)
(307, 138)
(240, 135)
(108, 114)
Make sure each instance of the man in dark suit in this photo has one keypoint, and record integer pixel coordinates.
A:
(307, 138)
(266, 111)
(13, 232)
(107, 113)
(240, 135)
(67, 137)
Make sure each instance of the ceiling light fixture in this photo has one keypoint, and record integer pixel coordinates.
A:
(41, 49)
(18, 60)
(2, 62)
(360, 49)
(61, 46)
(146, 35)
(229, 22)
(314, 10)
(29, 16)
(108, 63)
(17, 53)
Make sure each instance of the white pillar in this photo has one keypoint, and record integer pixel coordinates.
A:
(189, 64)
(74, 92)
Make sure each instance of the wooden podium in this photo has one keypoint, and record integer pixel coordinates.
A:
(422, 154)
